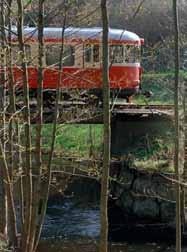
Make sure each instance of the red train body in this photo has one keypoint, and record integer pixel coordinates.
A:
(82, 59)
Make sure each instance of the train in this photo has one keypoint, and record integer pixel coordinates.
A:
(82, 60)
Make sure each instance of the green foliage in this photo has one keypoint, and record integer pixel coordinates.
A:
(154, 165)
(161, 85)
(74, 139)
(153, 153)
(148, 152)
(4, 247)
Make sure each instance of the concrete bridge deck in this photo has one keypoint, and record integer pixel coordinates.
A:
(80, 112)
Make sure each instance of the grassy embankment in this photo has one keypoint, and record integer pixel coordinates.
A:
(4, 246)
(75, 140)
(161, 85)
(158, 153)
(149, 153)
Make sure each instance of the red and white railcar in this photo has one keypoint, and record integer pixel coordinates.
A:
(82, 59)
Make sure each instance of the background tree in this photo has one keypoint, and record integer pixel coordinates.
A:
(3, 208)
(177, 146)
(107, 133)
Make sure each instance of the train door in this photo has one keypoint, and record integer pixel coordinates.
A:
(92, 65)
(92, 56)
(79, 54)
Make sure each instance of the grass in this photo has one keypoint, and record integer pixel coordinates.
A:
(4, 247)
(150, 153)
(153, 154)
(154, 165)
(161, 85)
(75, 140)
(161, 88)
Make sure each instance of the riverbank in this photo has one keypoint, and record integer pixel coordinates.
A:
(113, 247)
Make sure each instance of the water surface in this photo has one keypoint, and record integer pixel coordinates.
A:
(74, 227)
(72, 220)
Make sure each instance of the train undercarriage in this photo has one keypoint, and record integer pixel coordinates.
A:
(89, 96)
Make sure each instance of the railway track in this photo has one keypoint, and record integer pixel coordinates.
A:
(117, 105)
(148, 107)
(80, 112)
(143, 109)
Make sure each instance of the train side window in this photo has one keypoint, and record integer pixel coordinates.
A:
(16, 54)
(69, 55)
(137, 51)
(88, 53)
(96, 53)
(53, 55)
(116, 53)
(132, 54)
(126, 53)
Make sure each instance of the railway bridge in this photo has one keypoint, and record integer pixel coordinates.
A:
(128, 121)
(79, 112)
(129, 124)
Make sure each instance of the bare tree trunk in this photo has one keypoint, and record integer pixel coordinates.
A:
(177, 149)
(3, 207)
(185, 152)
(46, 186)
(37, 168)
(14, 139)
(10, 90)
(91, 149)
(27, 168)
(107, 135)
(10, 156)
(10, 200)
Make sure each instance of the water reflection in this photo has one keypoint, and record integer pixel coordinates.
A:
(71, 220)
(75, 227)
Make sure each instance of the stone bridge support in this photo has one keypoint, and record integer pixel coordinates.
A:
(126, 133)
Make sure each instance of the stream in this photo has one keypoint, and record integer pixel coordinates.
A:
(74, 226)
(72, 220)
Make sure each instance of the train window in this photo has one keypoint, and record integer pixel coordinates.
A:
(16, 54)
(68, 55)
(132, 54)
(116, 53)
(53, 55)
(137, 52)
(88, 53)
(96, 53)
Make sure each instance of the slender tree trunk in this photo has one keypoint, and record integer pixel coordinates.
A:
(10, 155)
(91, 150)
(10, 200)
(38, 154)
(27, 168)
(107, 135)
(45, 188)
(185, 151)
(10, 78)
(14, 133)
(12, 106)
(3, 207)
(177, 149)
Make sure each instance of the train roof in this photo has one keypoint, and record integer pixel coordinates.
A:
(54, 34)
